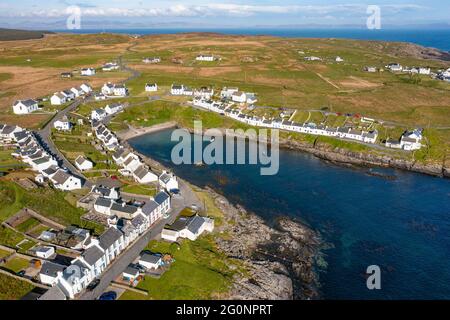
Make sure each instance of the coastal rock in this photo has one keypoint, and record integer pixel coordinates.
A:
(266, 281)
(346, 157)
(280, 260)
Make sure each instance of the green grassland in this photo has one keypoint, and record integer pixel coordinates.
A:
(16, 264)
(140, 189)
(12, 288)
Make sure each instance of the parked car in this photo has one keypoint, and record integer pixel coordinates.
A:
(111, 295)
(21, 273)
(93, 284)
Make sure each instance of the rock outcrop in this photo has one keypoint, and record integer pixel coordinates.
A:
(279, 260)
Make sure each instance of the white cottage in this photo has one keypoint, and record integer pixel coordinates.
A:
(25, 106)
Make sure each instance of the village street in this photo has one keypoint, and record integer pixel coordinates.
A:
(115, 269)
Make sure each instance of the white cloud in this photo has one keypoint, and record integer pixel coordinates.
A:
(220, 9)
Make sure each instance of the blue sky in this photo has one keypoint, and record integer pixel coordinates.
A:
(220, 13)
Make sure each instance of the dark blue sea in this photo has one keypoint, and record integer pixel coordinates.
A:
(439, 38)
(400, 222)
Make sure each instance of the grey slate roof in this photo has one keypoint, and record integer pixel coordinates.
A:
(50, 268)
(126, 208)
(92, 255)
(149, 207)
(28, 102)
(53, 294)
(51, 170)
(138, 221)
(61, 176)
(195, 223)
(150, 258)
(132, 270)
(161, 197)
(103, 202)
(141, 171)
(108, 238)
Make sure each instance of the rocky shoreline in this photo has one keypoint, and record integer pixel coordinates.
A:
(280, 260)
(343, 156)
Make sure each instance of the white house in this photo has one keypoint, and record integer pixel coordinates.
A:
(110, 66)
(394, 67)
(207, 57)
(424, 71)
(44, 252)
(151, 87)
(63, 124)
(187, 227)
(339, 59)
(105, 192)
(150, 261)
(120, 90)
(86, 88)
(25, 106)
(177, 90)
(58, 99)
(77, 91)
(83, 164)
(50, 272)
(204, 92)
(113, 108)
(227, 93)
(65, 181)
(130, 273)
(103, 205)
(411, 140)
(239, 96)
(68, 94)
(312, 58)
(112, 243)
(108, 89)
(98, 114)
(87, 71)
(168, 181)
(143, 175)
(152, 60)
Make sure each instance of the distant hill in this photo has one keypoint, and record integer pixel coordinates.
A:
(12, 34)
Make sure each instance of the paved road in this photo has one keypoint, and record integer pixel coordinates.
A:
(46, 141)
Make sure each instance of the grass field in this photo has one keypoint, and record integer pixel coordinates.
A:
(199, 272)
(27, 225)
(140, 189)
(13, 289)
(16, 264)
